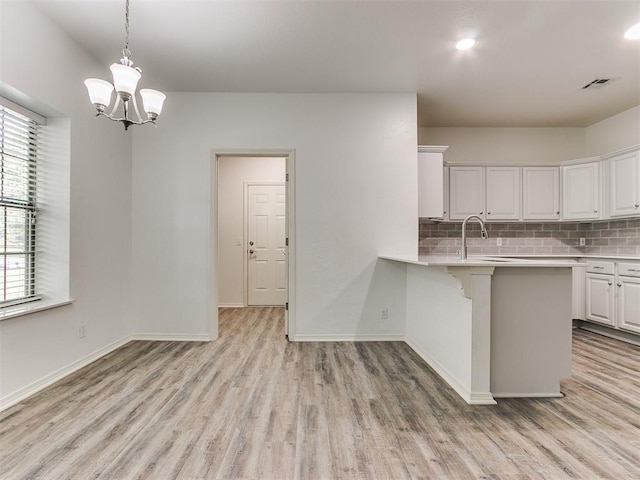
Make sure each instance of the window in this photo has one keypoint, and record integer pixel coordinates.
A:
(18, 212)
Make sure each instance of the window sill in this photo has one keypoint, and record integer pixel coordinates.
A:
(31, 307)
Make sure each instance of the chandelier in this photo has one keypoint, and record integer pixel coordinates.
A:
(125, 81)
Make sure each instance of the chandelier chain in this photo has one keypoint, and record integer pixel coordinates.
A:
(126, 51)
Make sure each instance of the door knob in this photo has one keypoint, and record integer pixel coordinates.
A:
(251, 243)
(251, 251)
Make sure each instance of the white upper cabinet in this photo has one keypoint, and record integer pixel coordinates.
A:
(466, 192)
(581, 191)
(624, 176)
(431, 180)
(541, 193)
(492, 193)
(503, 193)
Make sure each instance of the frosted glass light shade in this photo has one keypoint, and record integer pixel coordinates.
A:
(125, 78)
(99, 91)
(152, 100)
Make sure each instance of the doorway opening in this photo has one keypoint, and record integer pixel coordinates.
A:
(253, 261)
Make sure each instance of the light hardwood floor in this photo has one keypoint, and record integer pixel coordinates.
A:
(253, 406)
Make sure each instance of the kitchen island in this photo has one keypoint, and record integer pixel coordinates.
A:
(491, 327)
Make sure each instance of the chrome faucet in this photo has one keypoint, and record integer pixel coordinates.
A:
(483, 234)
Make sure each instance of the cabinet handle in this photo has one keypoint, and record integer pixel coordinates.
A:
(558, 212)
(597, 268)
(619, 284)
(481, 213)
(595, 211)
(488, 213)
(632, 269)
(609, 283)
(637, 205)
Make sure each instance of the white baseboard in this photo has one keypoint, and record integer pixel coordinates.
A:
(231, 305)
(357, 337)
(35, 387)
(472, 398)
(528, 395)
(172, 337)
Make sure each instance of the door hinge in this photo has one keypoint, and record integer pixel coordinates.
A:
(286, 177)
(286, 242)
(286, 306)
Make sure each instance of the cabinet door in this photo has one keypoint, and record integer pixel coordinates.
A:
(430, 184)
(581, 191)
(540, 193)
(629, 303)
(600, 298)
(503, 193)
(466, 192)
(625, 184)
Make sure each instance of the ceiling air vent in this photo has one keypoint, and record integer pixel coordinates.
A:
(598, 83)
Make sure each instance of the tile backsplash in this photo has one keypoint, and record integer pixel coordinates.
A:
(611, 237)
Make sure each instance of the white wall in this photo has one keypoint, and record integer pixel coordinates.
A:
(233, 173)
(538, 146)
(356, 197)
(43, 63)
(614, 133)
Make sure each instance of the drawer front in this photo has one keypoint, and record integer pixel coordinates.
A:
(629, 269)
(605, 268)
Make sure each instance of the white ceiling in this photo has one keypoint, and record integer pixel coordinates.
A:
(531, 59)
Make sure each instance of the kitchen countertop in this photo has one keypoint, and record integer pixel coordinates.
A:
(567, 256)
(483, 261)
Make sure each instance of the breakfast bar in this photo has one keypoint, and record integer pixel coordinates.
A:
(491, 327)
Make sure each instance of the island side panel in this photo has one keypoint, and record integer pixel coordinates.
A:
(439, 324)
(530, 331)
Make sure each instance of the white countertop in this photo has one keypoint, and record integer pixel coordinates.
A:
(481, 261)
(566, 256)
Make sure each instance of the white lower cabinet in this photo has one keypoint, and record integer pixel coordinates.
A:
(613, 294)
(600, 298)
(628, 286)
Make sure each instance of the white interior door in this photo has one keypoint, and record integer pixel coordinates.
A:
(266, 245)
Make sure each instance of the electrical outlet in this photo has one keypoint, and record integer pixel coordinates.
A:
(82, 331)
(583, 241)
(384, 314)
(499, 242)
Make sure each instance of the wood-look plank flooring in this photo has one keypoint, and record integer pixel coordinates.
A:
(253, 406)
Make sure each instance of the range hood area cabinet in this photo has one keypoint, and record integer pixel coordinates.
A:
(431, 182)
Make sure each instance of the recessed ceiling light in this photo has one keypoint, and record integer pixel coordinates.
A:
(633, 33)
(465, 43)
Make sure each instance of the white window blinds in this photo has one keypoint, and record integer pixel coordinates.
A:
(18, 152)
